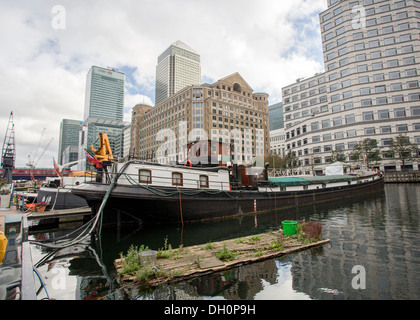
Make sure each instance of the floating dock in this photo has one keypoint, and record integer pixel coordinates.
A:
(195, 261)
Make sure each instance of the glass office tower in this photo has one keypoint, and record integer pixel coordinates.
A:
(69, 137)
(104, 94)
(104, 111)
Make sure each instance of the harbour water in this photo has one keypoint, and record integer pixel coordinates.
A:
(374, 254)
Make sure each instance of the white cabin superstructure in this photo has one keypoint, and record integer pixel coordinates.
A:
(216, 178)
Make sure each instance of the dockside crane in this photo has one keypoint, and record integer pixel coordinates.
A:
(9, 151)
(31, 162)
(43, 151)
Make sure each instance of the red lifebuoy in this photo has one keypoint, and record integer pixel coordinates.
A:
(188, 162)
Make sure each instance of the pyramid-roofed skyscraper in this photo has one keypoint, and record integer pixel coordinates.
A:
(178, 66)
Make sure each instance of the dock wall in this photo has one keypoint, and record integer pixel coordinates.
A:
(402, 177)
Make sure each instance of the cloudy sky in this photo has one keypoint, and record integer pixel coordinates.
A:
(46, 52)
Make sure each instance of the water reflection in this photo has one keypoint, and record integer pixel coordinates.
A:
(268, 280)
(379, 232)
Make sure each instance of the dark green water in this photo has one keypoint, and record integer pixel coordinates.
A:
(377, 234)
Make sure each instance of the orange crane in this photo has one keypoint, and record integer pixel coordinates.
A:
(101, 157)
(104, 153)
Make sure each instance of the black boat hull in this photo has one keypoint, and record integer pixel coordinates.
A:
(171, 205)
(60, 199)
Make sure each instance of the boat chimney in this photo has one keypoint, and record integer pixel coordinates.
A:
(266, 171)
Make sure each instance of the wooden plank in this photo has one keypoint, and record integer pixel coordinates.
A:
(60, 213)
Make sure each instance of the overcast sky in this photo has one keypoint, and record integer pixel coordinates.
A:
(47, 51)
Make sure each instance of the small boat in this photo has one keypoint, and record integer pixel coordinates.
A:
(56, 193)
(156, 193)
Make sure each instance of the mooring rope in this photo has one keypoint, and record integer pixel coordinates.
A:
(164, 193)
(97, 219)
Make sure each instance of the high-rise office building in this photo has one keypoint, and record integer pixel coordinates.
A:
(69, 137)
(137, 117)
(104, 97)
(227, 111)
(178, 67)
(370, 88)
(104, 110)
(276, 116)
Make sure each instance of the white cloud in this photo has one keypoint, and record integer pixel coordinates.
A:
(43, 70)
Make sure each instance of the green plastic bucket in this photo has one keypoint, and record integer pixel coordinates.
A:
(289, 227)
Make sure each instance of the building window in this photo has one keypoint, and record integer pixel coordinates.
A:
(400, 4)
(383, 114)
(339, 146)
(365, 90)
(391, 52)
(385, 142)
(407, 49)
(337, 121)
(361, 57)
(364, 79)
(399, 112)
(385, 129)
(347, 94)
(403, 26)
(378, 77)
(204, 181)
(398, 98)
(350, 119)
(387, 29)
(415, 111)
(348, 105)
(145, 176)
(394, 75)
(414, 97)
(386, 19)
(177, 179)
(410, 72)
(351, 145)
(336, 109)
(375, 54)
(405, 37)
(368, 116)
(408, 60)
(370, 130)
(351, 133)
(339, 135)
(366, 102)
(392, 63)
(381, 100)
(376, 65)
(359, 46)
(380, 89)
(362, 68)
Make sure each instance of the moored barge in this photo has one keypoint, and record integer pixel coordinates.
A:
(155, 193)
